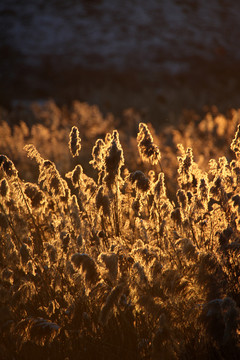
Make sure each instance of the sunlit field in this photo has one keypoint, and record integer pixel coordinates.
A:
(118, 240)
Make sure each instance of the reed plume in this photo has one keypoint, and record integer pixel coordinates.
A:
(74, 141)
(147, 149)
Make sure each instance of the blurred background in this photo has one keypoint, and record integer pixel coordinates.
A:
(157, 56)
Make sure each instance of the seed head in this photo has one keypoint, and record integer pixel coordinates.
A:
(185, 161)
(88, 267)
(110, 261)
(113, 161)
(75, 175)
(159, 186)
(98, 152)
(74, 141)
(32, 153)
(50, 178)
(141, 181)
(34, 194)
(7, 166)
(147, 149)
(203, 189)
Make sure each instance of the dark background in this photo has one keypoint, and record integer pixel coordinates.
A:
(158, 57)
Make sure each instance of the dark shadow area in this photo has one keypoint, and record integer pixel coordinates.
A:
(159, 97)
(156, 58)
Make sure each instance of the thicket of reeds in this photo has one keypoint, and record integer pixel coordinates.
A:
(115, 256)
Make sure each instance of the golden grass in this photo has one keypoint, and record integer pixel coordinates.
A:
(140, 260)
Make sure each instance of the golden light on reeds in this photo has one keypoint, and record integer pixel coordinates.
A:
(109, 264)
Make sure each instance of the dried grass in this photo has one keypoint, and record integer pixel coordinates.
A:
(131, 264)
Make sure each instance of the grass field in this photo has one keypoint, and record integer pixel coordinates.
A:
(118, 241)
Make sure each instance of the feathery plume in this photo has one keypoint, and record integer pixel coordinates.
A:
(50, 178)
(8, 167)
(75, 175)
(113, 160)
(141, 181)
(34, 194)
(98, 153)
(74, 141)
(87, 265)
(147, 149)
(110, 261)
(32, 153)
(159, 186)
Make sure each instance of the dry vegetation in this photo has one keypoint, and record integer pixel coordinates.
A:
(137, 258)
